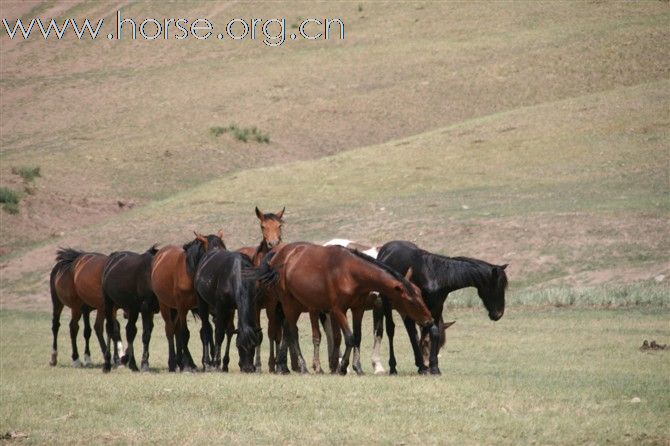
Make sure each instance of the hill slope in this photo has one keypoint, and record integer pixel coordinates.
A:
(572, 192)
(129, 121)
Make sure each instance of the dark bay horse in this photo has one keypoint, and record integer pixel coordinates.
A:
(437, 276)
(172, 274)
(221, 289)
(126, 284)
(271, 230)
(308, 277)
(75, 281)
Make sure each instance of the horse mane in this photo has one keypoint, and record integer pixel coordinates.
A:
(395, 274)
(195, 250)
(463, 270)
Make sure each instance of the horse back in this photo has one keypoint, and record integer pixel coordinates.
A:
(88, 279)
(170, 279)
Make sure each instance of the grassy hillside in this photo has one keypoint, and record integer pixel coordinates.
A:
(573, 192)
(129, 121)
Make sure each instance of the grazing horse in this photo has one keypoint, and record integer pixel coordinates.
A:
(75, 281)
(307, 277)
(271, 229)
(220, 286)
(172, 274)
(437, 276)
(333, 336)
(126, 283)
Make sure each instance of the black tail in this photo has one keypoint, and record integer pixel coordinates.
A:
(265, 274)
(67, 256)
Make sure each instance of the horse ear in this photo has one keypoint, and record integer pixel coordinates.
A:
(200, 237)
(221, 234)
(408, 274)
(504, 266)
(259, 214)
(448, 324)
(280, 214)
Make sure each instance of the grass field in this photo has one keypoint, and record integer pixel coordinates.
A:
(530, 133)
(541, 376)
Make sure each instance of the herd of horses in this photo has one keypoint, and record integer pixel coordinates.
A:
(286, 279)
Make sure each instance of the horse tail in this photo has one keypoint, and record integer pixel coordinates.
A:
(266, 274)
(57, 308)
(66, 257)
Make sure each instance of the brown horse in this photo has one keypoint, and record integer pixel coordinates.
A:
(76, 281)
(308, 277)
(172, 281)
(271, 229)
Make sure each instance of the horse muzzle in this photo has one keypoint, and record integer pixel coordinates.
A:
(496, 315)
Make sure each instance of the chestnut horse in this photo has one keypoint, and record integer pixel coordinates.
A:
(308, 277)
(126, 283)
(436, 276)
(271, 230)
(172, 281)
(75, 281)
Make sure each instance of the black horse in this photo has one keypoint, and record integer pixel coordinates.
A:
(220, 286)
(437, 276)
(126, 284)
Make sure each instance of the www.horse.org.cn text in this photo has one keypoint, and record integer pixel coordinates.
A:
(272, 32)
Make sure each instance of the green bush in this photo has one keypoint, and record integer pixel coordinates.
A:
(243, 134)
(28, 173)
(10, 200)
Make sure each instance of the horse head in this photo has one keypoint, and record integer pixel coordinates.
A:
(492, 292)
(271, 225)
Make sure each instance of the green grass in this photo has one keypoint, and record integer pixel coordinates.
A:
(243, 134)
(27, 173)
(547, 377)
(10, 200)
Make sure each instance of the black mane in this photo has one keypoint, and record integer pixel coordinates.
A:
(195, 249)
(395, 274)
(462, 270)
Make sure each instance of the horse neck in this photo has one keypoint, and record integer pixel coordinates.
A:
(261, 251)
(372, 278)
(458, 274)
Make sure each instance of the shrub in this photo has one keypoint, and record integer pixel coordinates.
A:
(243, 134)
(10, 200)
(26, 172)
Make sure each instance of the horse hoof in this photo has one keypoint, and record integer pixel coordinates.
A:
(106, 368)
(423, 370)
(342, 371)
(145, 367)
(132, 366)
(76, 363)
(224, 369)
(87, 360)
(124, 360)
(359, 372)
(258, 370)
(435, 370)
(393, 372)
(379, 370)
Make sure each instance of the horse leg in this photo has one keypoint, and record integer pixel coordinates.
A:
(378, 331)
(183, 336)
(74, 329)
(108, 314)
(410, 325)
(116, 337)
(341, 318)
(435, 342)
(86, 313)
(316, 341)
(281, 366)
(188, 358)
(257, 360)
(169, 334)
(229, 331)
(205, 334)
(390, 332)
(147, 328)
(357, 316)
(295, 361)
(274, 334)
(222, 318)
(291, 331)
(336, 355)
(131, 332)
(55, 325)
